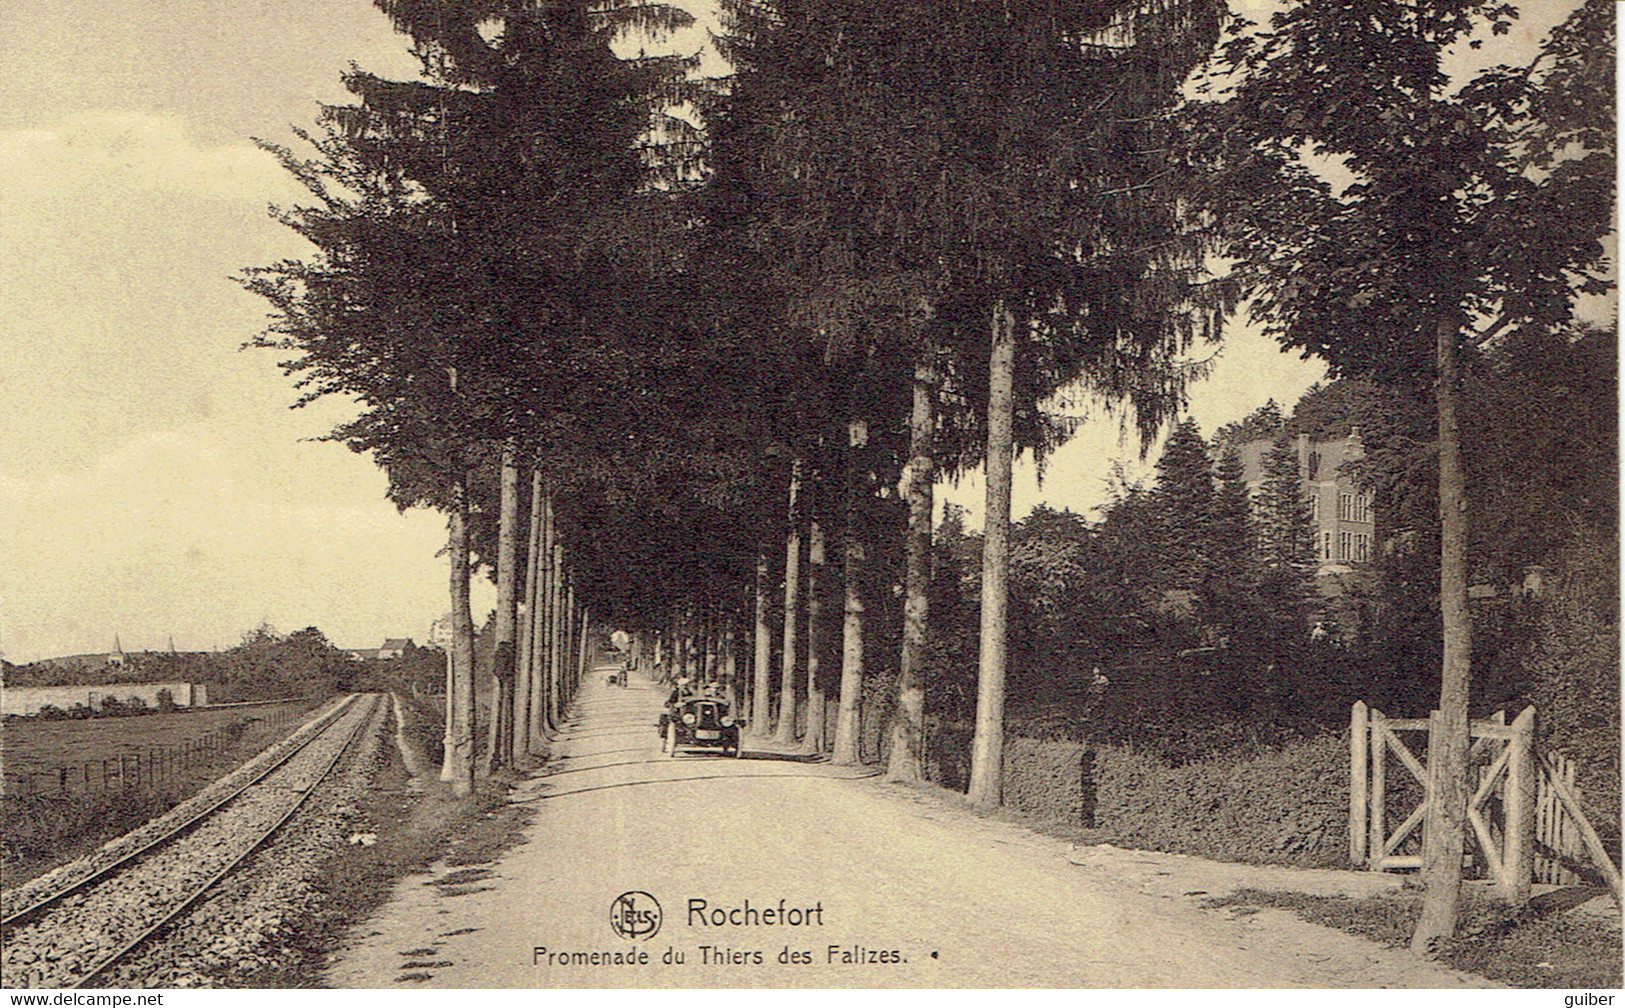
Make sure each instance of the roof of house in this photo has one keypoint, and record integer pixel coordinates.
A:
(396, 644)
(1327, 458)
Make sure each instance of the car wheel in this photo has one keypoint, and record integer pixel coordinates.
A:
(670, 747)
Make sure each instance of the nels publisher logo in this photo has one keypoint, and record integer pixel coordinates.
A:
(635, 915)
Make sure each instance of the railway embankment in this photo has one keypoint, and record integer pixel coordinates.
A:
(93, 920)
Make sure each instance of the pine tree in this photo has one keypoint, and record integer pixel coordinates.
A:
(1282, 519)
(1228, 599)
(1183, 499)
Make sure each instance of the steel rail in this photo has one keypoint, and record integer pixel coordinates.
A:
(202, 890)
(50, 899)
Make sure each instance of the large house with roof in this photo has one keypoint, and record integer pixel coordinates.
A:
(1340, 512)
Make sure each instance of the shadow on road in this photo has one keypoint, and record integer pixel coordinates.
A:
(680, 780)
(781, 757)
(758, 757)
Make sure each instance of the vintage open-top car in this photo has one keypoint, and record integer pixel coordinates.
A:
(699, 722)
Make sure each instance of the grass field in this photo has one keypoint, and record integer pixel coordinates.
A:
(40, 747)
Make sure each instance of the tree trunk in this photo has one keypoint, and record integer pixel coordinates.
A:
(813, 742)
(1447, 755)
(709, 635)
(556, 626)
(761, 683)
(684, 631)
(541, 626)
(572, 641)
(525, 678)
(847, 715)
(447, 692)
(679, 645)
(584, 648)
(554, 558)
(694, 620)
(987, 745)
(458, 764)
(906, 760)
(730, 662)
(498, 744)
(786, 730)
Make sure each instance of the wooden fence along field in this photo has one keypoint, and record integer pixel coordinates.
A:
(110, 753)
(1526, 819)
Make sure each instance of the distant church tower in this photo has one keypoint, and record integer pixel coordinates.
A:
(116, 656)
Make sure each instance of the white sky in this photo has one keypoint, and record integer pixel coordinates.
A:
(152, 480)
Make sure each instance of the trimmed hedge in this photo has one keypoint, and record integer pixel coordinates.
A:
(1281, 806)
(1285, 805)
(1050, 779)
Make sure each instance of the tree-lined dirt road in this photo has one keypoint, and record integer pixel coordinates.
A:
(896, 888)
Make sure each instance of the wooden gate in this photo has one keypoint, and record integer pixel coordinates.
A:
(1523, 811)
(1558, 843)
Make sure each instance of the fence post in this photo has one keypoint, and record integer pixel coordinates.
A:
(1522, 772)
(1359, 734)
(1379, 787)
(1430, 792)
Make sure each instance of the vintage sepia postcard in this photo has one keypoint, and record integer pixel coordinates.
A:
(721, 494)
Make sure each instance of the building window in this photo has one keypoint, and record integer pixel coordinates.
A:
(1314, 507)
(1325, 545)
(1362, 547)
(1345, 545)
(1354, 507)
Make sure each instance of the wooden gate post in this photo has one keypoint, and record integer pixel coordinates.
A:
(1359, 762)
(1379, 785)
(1430, 789)
(1523, 775)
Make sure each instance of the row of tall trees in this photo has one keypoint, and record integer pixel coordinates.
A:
(497, 281)
(866, 260)
(959, 209)
(471, 243)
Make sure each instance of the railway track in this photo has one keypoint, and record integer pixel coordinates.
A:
(70, 934)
